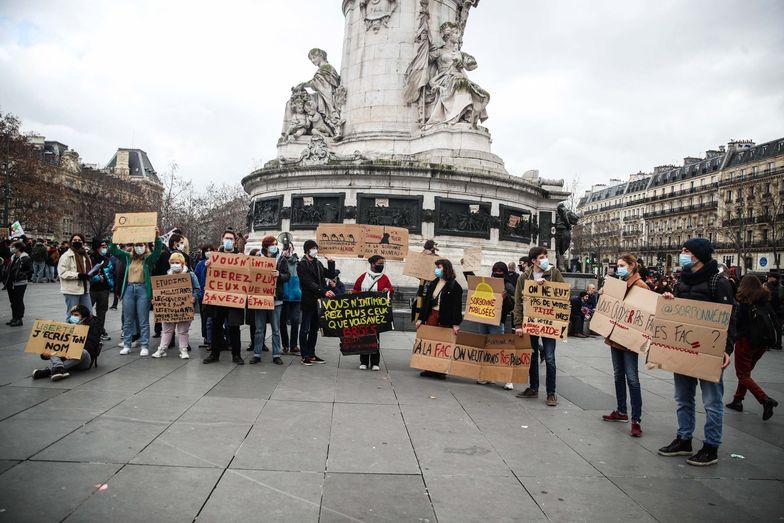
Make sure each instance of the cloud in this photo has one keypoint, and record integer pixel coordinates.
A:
(590, 89)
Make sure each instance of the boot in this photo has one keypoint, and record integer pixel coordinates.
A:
(736, 404)
(184, 353)
(767, 408)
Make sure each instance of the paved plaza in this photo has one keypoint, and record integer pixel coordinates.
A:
(172, 440)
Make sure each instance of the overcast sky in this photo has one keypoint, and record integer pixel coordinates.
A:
(595, 89)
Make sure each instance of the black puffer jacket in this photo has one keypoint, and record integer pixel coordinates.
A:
(450, 310)
(697, 286)
(19, 270)
(312, 281)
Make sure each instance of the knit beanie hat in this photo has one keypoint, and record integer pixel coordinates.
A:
(700, 247)
(310, 244)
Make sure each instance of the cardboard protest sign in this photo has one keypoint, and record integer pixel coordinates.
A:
(135, 227)
(689, 337)
(420, 265)
(389, 242)
(634, 324)
(57, 339)
(353, 345)
(613, 292)
(339, 240)
(360, 314)
(546, 309)
(262, 285)
(497, 357)
(472, 259)
(227, 281)
(172, 298)
(485, 300)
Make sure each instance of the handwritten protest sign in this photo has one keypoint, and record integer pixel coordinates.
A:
(613, 292)
(635, 320)
(497, 357)
(340, 240)
(227, 281)
(389, 242)
(135, 227)
(485, 300)
(689, 337)
(546, 309)
(57, 339)
(262, 285)
(172, 298)
(472, 259)
(353, 345)
(420, 265)
(360, 314)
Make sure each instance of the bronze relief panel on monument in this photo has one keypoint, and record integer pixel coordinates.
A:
(393, 210)
(516, 224)
(267, 213)
(463, 218)
(309, 210)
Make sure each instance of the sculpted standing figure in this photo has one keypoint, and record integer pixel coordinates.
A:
(564, 221)
(328, 96)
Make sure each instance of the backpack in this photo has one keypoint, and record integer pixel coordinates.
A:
(762, 326)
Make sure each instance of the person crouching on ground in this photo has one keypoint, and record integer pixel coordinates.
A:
(442, 305)
(701, 281)
(270, 249)
(374, 280)
(60, 368)
(625, 362)
(540, 271)
(177, 266)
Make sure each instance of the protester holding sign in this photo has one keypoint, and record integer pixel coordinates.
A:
(270, 249)
(756, 334)
(136, 291)
(58, 367)
(19, 272)
(540, 271)
(430, 248)
(177, 266)
(376, 281)
(700, 281)
(501, 271)
(313, 283)
(442, 306)
(625, 362)
(73, 269)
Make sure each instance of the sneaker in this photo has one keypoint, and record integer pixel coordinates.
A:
(552, 400)
(254, 360)
(767, 408)
(160, 353)
(39, 374)
(121, 344)
(135, 344)
(708, 455)
(264, 348)
(432, 374)
(58, 373)
(482, 382)
(306, 362)
(363, 367)
(203, 344)
(294, 350)
(144, 352)
(277, 361)
(125, 351)
(509, 386)
(636, 431)
(529, 393)
(249, 348)
(210, 359)
(285, 350)
(237, 360)
(105, 337)
(184, 354)
(316, 359)
(616, 416)
(375, 368)
(678, 447)
(735, 404)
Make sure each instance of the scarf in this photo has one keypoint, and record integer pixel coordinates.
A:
(83, 265)
(704, 274)
(370, 280)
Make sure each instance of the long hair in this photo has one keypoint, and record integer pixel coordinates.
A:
(449, 271)
(631, 260)
(752, 291)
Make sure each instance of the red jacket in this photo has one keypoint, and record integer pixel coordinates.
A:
(383, 284)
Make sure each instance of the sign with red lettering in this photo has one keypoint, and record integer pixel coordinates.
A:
(262, 286)
(228, 280)
(546, 309)
(485, 300)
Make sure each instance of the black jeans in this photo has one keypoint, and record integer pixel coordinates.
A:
(220, 315)
(290, 314)
(309, 333)
(370, 359)
(16, 297)
(101, 301)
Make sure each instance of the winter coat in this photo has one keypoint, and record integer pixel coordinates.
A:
(551, 274)
(103, 279)
(148, 265)
(68, 271)
(283, 277)
(312, 281)
(382, 285)
(39, 253)
(19, 271)
(291, 289)
(450, 311)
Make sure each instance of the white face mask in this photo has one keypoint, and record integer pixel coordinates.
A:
(138, 250)
(176, 267)
(313, 253)
(181, 247)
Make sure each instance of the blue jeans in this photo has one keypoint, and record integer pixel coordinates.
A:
(625, 368)
(262, 317)
(308, 333)
(206, 321)
(39, 272)
(491, 329)
(76, 299)
(548, 346)
(712, 400)
(136, 308)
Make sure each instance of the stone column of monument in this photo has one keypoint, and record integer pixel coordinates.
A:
(397, 137)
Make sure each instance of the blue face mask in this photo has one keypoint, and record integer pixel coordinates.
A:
(439, 272)
(685, 260)
(228, 245)
(104, 250)
(273, 250)
(544, 264)
(74, 319)
(622, 272)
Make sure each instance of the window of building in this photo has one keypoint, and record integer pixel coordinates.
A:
(748, 236)
(764, 235)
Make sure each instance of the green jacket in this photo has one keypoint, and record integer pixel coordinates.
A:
(551, 274)
(148, 263)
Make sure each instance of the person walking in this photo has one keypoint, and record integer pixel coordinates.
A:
(700, 280)
(374, 280)
(625, 362)
(539, 271)
(177, 265)
(290, 313)
(442, 305)
(756, 333)
(17, 275)
(73, 269)
(313, 283)
(270, 249)
(136, 291)
(101, 284)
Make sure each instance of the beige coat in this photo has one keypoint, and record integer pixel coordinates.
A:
(69, 275)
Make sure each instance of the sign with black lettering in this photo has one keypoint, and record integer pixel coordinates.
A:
(55, 338)
(172, 298)
(547, 309)
(356, 315)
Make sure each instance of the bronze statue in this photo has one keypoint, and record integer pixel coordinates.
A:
(564, 221)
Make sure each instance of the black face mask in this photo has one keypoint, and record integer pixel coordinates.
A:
(521, 267)
(378, 268)
(498, 275)
(76, 245)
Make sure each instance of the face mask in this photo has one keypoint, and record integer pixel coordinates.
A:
(76, 245)
(181, 247)
(104, 250)
(378, 269)
(313, 253)
(498, 275)
(544, 264)
(74, 319)
(521, 267)
(176, 267)
(439, 272)
(622, 272)
(685, 260)
(228, 245)
(273, 250)
(138, 250)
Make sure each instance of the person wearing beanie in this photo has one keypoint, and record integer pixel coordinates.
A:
(270, 249)
(177, 265)
(314, 286)
(700, 280)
